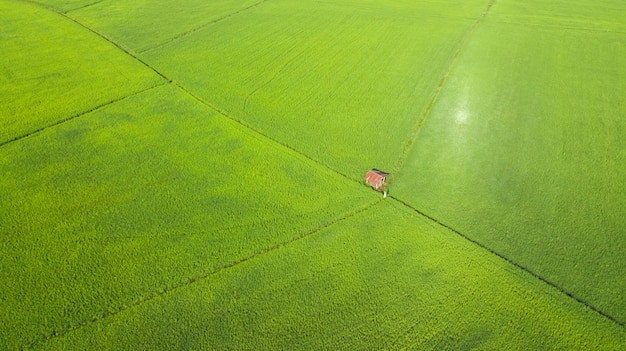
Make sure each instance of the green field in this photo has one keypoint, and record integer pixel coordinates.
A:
(542, 173)
(53, 70)
(188, 175)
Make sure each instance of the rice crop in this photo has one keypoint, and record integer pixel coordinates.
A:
(189, 174)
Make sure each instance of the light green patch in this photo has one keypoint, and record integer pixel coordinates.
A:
(139, 197)
(346, 90)
(383, 279)
(52, 69)
(143, 24)
(525, 151)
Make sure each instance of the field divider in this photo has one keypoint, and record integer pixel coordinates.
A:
(78, 115)
(512, 262)
(191, 31)
(112, 311)
(84, 6)
(424, 116)
(264, 135)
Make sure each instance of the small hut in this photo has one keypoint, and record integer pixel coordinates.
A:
(376, 179)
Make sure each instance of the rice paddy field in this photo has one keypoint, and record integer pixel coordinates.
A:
(188, 175)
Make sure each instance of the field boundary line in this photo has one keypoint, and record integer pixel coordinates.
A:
(78, 115)
(191, 31)
(250, 128)
(110, 312)
(278, 221)
(84, 6)
(512, 262)
(435, 96)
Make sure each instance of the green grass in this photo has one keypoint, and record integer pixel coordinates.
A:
(139, 197)
(364, 75)
(383, 279)
(525, 151)
(51, 69)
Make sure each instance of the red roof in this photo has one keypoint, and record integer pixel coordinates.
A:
(374, 178)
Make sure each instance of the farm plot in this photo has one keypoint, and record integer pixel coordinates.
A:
(344, 86)
(143, 24)
(52, 69)
(139, 197)
(525, 151)
(383, 279)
